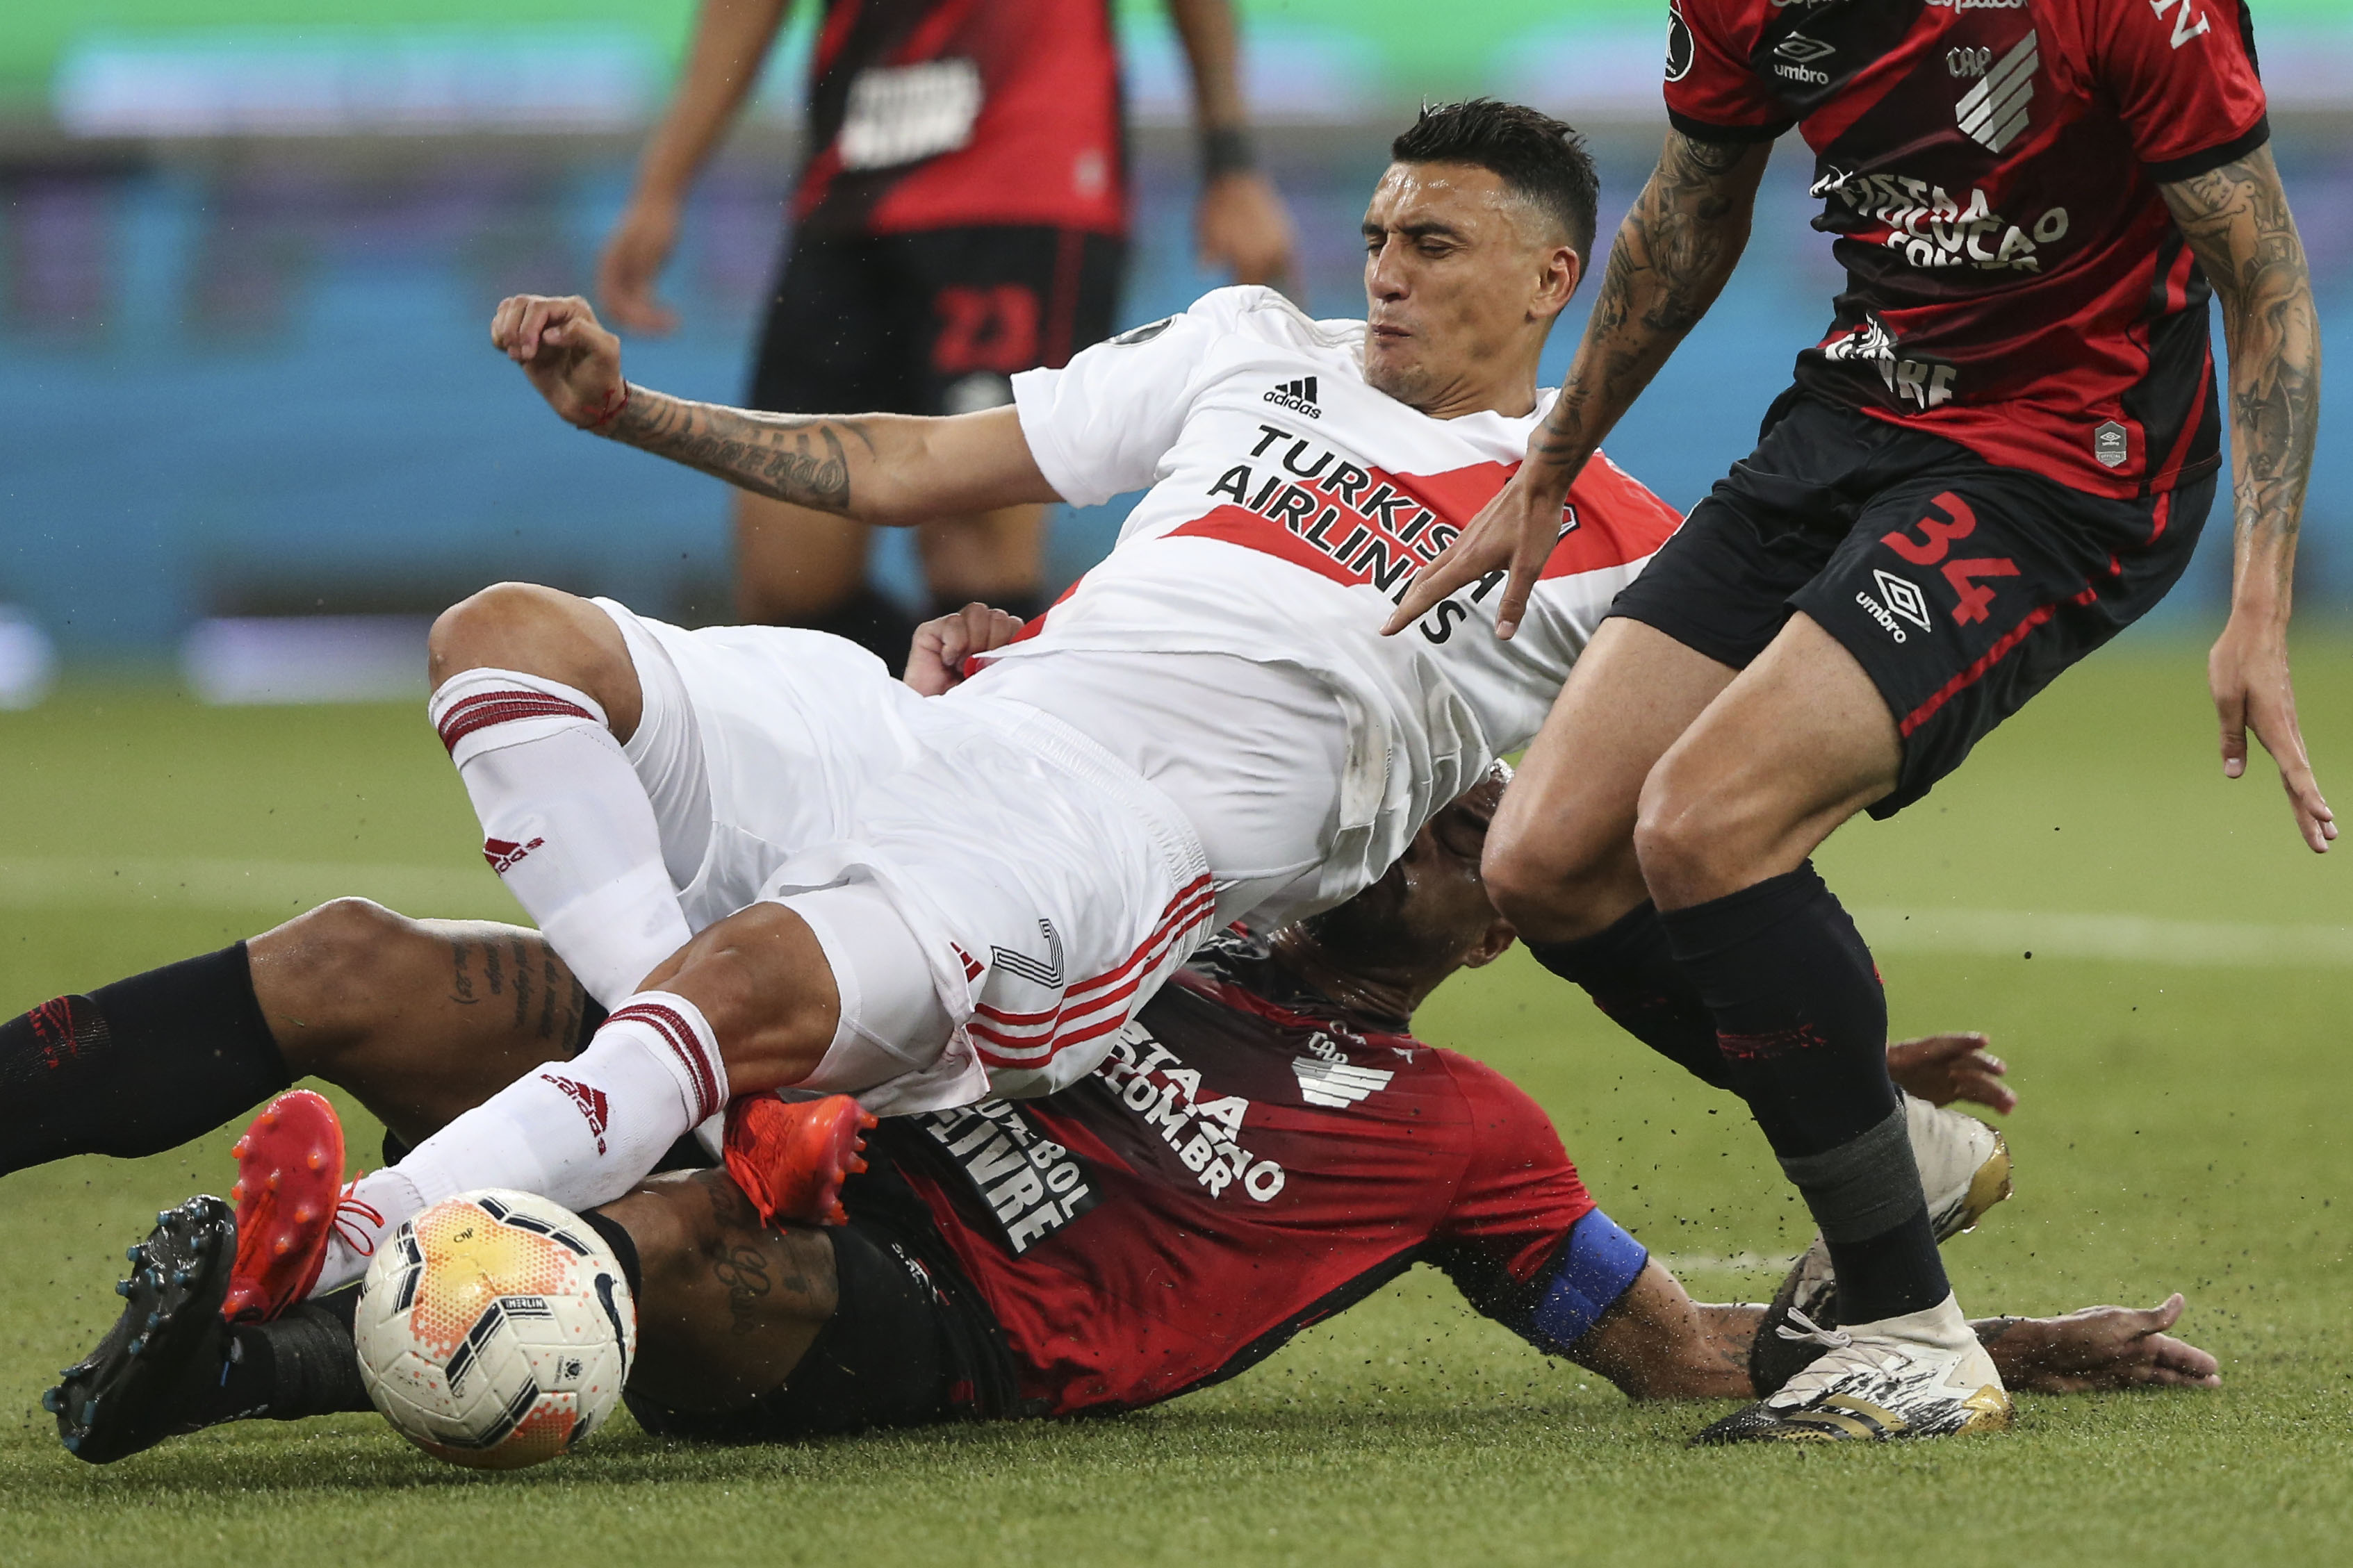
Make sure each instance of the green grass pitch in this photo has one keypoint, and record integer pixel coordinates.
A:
(2180, 1036)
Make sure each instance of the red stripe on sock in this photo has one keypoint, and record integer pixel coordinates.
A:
(471, 713)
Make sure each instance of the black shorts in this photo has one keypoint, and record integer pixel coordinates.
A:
(929, 322)
(910, 1341)
(1961, 588)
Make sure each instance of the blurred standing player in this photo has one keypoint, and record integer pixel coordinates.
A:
(1999, 456)
(961, 215)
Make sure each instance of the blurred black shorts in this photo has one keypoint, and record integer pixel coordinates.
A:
(930, 323)
(1961, 588)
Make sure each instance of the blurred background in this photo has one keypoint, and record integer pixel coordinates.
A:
(253, 433)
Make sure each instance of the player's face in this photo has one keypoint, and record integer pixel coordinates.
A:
(1462, 278)
(1431, 911)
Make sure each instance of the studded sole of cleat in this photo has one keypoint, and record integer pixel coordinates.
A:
(125, 1395)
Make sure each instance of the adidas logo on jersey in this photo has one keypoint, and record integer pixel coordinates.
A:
(1299, 397)
(1327, 1077)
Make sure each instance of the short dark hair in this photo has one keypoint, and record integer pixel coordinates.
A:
(1535, 155)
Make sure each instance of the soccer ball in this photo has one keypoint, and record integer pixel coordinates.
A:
(495, 1330)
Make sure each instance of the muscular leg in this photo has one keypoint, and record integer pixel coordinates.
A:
(536, 695)
(421, 1020)
(1560, 861)
(1795, 746)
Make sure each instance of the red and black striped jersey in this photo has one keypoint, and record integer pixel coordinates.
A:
(1990, 169)
(1248, 1160)
(948, 113)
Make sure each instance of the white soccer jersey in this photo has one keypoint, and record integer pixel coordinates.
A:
(1289, 505)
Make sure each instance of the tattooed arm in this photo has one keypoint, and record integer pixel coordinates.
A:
(1673, 254)
(2237, 221)
(888, 468)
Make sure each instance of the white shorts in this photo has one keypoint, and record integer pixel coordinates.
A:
(1048, 889)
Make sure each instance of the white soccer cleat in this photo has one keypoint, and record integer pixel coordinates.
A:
(1964, 1172)
(1920, 1375)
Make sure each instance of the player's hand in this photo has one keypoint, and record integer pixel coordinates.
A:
(935, 662)
(2106, 1347)
(573, 362)
(2248, 674)
(632, 263)
(1516, 528)
(1242, 224)
(1942, 1069)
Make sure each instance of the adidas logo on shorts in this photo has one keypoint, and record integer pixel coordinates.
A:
(1299, 397)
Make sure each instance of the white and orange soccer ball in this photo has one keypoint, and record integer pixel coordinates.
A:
(495, 1330)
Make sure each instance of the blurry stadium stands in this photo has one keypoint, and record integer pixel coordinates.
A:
(246, 264)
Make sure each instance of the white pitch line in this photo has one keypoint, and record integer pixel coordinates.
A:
(2138, 939)
(28, 883)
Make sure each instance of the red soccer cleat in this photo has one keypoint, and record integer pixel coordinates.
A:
(790, 1157)
(290, 1176)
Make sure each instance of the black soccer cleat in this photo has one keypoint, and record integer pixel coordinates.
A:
(150, 1373)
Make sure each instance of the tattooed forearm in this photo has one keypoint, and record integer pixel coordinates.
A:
(1678, 245)
(807, 460)
(2237, 221)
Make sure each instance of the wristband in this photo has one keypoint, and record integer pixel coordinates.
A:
(611, 409)
(1227, 150)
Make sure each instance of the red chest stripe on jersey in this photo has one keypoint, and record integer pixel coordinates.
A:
(1371, 526)
(932, 36)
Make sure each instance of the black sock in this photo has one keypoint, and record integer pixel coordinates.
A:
(867, 617)
(299, 1363)
(1632, 974)
(1802, 1025)
(138, 1067)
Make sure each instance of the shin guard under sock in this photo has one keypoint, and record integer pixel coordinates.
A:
(1632, 974)
(138, 1067)
(1803, 1025)
(567, 823)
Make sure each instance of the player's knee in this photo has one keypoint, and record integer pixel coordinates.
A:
(760, 979)
(538, 631)
(328, 970)
(1553, 884)
(1672, 840)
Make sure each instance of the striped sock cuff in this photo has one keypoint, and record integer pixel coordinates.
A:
(483, 709)
(683, 1041)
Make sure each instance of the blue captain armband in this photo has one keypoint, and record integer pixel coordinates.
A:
(1596, 1267)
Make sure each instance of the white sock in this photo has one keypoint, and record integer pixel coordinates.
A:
(566, 822)
(579, 1134)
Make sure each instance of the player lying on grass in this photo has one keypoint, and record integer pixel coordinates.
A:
(1265, 1144)
(777, 867)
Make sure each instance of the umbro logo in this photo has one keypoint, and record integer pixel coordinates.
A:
(1299, 397)
(502, 853)
(1994, 111)
(1903, 596)
(1804, 50)
(1327, 1077)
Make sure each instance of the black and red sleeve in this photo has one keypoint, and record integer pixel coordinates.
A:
(1713, 93)
(2181, 74)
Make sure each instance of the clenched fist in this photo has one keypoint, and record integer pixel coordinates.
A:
(573, 361)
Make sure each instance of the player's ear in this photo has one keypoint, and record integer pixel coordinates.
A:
(1492, 943)
(1560, 269)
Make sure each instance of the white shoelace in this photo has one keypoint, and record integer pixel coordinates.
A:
(1810, 1331)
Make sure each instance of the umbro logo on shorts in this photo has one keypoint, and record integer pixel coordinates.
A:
(1299, 397)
